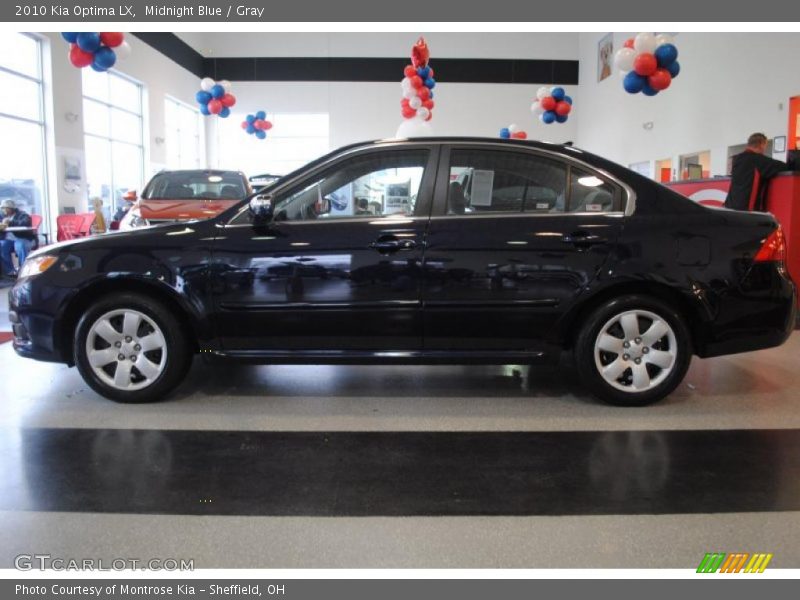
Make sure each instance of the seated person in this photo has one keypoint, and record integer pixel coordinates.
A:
(18, 241)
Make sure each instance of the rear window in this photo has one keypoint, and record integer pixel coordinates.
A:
(196, 185)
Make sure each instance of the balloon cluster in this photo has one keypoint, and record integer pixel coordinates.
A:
(513, 132)
(99, 50)
(418, 85)
(215, 97)
(552, 105)
(650, 63)
(257, 124)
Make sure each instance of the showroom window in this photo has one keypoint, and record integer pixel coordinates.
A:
(294, 140)
(22, 153)
(184, 135)
(377, 185)
(113, 137)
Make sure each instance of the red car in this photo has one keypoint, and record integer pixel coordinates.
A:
(184, 195)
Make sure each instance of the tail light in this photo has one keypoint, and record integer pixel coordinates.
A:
(773, 249)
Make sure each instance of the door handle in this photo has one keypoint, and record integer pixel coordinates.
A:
(392, 244)
(582, 239)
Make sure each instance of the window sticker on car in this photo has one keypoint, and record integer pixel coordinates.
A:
(542, 206)
(482, 184)
(594, 208)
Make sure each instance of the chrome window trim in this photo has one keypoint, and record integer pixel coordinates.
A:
(630, 201)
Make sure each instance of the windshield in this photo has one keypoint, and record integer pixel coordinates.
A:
(196, 185)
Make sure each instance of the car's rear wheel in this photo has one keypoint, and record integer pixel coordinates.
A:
(130, 348)
(633, 351)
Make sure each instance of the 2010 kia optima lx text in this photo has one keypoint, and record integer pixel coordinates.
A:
(440, 250)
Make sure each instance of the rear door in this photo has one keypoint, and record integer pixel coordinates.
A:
(515, 237)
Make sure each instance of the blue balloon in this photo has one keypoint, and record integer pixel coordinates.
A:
(505, 133)
(204, 109)
(202, 97)
(674, 69)
(261, 134)
(250, 118)
(88, 41)
(568, 100)
(633, 82)
(430, 83)
(98, 68)
(561, 118)
(558, 94)
(424, 72)
(70, 36)
(217, 91)
(431, 95)
(225, 112)
(105, 58)
(261, 115)
(549, 116)
(251, 129)
(666, 54)
(648, 91)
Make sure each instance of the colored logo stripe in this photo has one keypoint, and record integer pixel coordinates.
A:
(734, 563)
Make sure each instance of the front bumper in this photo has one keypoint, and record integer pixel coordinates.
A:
(35, 330)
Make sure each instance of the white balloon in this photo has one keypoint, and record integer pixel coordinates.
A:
(536, 108)
(423, 113)
(415, 102)
(410, 94)
(541, 117)
(226, 84)
(206, 83)
(663, 38)
(542, 92)
(406, 84)
(415, 127)
(122, 51)
(644, 42)
(513, 128)
(624, 59)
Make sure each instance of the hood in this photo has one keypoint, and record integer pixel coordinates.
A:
(181, 210)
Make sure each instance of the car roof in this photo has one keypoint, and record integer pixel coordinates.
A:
(199, 172)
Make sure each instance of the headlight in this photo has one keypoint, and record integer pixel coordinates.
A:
(36, 265)
(133, 220)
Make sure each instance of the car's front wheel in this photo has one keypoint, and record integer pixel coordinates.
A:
(130, 348)
(633, 351)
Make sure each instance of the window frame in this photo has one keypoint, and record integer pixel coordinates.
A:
(624, 191)
(425, 195)
(201, 154)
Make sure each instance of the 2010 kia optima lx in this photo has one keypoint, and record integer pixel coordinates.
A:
(440, 250)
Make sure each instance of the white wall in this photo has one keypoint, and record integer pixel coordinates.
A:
(730, 85)
(366, 111)
(160, 76)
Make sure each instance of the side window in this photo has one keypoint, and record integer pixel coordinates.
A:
(380, 184)
(489, 181)
(589, 193)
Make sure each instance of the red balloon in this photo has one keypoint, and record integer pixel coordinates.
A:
(420, 53)
(245, 124)
(563, 108)
(519, 135)
(629, 43)
(548, 103)
(408, 112)
(215, 106)
(645, 64)
(79, 58)
(228, 100)
(259, 124)
(409, 71)
(429, 117)
(428, 104)
(416, 81)
(423, 93)
(112, 39)
(267, 125)
(430, 75)
(404, 102)
(660, 80)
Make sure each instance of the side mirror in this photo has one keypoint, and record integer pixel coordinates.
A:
(130, 196)
(261, 208)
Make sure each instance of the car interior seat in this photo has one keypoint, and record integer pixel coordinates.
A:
(456, 201)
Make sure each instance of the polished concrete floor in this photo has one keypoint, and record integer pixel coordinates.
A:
(292, 466)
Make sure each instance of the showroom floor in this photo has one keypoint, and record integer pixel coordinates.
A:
(323, 466)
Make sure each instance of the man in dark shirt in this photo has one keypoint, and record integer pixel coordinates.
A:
(18, 241)
(750, 174)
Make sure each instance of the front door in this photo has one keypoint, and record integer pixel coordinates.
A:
(515, 237)
(338, 269)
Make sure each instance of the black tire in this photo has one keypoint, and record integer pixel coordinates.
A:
(173, 366)
(587, 362)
